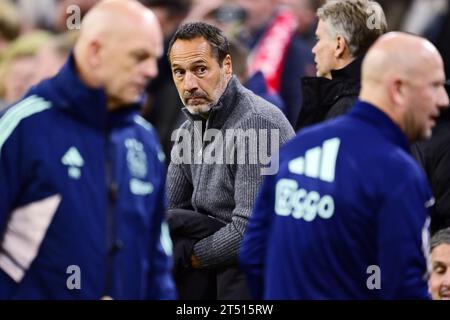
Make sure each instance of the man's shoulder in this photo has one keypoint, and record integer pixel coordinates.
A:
(252, 108)
(30, 109)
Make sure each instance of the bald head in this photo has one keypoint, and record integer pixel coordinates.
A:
(403, 75)
(117, 49)
(115, 17)
(398, 54)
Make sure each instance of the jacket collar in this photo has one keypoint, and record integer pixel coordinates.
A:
(352, 70)
(88, 105)
(321, 92)
(377, 118)
(220, 112)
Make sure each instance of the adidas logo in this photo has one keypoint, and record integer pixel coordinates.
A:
(74, 161)
(318, 162)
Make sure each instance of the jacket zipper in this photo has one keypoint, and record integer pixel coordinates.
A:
(112, 194)
(194, 202)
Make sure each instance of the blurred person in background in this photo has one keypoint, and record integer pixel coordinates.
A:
(9, 31)
(200, 9)
(36, 15)
(439, 282)
(82, 177)
(305, 11)
(52, 55)
(276, 51)
(18, 66)
(9, 25)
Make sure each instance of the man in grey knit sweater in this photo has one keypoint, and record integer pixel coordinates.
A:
(221, 152)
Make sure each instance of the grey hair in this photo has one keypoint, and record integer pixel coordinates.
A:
(440, 237)
(359, 22)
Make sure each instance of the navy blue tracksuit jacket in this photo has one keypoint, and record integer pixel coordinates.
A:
(345, 218)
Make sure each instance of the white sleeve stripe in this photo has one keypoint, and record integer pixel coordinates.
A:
(13, 116)
(166, 241)
(144, 123)
(24, 234)
(18, 108)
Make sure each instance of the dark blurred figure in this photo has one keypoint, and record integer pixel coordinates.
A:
(395, 12)
(439, 33)
(163, 107)
(434, 154)
(51, 56)
(434, 157)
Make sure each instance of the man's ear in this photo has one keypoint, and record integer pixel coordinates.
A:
(93, 53)
(228, 65)
(396, 91)
(341, 46)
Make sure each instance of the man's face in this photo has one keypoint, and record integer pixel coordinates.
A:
(324, 50)
(439, 283)
(199, 79)
(129, 61)
(425, 98)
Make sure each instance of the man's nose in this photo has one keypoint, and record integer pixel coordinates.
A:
(190, 82)
(150, 69)
(443, 97)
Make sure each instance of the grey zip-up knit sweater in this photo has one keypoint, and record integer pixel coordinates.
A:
(225, 190)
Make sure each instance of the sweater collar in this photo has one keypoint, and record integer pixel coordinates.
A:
(377, 118)
(89, 105)
(219, 113)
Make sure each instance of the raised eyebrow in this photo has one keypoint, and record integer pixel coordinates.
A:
(198, 63)
(176, 66)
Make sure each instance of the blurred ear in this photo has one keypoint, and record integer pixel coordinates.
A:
(341, 45)
(228, 65)
(396, 90)
(93, 54)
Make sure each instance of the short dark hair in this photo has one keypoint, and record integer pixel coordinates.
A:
(440, 237)
(215, 37)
